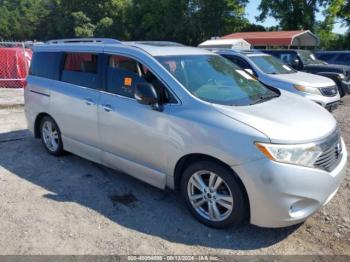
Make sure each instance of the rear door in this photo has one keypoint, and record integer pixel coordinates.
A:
(74, 102)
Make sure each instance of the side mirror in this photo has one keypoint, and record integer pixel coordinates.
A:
(295, 63)
(146, 94)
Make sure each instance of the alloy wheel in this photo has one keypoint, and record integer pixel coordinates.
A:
(210, 196)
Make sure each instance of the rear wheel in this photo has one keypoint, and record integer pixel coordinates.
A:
(51, 136)
(213, 194)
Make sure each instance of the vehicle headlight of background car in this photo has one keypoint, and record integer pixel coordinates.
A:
(306, 89)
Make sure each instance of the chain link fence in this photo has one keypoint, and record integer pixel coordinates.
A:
(15, 60)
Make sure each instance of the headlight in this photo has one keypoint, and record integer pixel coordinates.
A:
(302, 154)
(310, 90)
(341, 76)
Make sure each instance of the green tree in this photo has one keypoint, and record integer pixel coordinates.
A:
(185, 21)
(82, 25)
(291, 14)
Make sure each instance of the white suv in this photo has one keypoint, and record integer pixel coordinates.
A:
(272, 72)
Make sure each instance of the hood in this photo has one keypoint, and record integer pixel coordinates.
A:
(329, 67)
(285, 119)
(301, 78)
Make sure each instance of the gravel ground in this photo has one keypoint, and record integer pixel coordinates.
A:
(69, 205)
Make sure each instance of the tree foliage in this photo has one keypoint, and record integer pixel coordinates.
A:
(291, 14)
(186, 21)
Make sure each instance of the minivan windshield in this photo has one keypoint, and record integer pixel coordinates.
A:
(309, 58)
(214, 79)
(270, 65)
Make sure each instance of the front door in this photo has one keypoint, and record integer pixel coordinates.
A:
(133, 136)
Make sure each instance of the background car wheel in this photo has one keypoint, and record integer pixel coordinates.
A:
(214, 195)
(51, 136)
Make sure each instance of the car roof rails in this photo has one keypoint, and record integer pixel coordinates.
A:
(85, 40)
(156, 43)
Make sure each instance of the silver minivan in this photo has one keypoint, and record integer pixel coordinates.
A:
(190, 120)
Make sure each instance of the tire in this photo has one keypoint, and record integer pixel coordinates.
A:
(51, 136)
(229, 193)
(341, 91)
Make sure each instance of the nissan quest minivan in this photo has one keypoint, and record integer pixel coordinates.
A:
(190, 120)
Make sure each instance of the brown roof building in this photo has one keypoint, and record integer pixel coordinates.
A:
(277, 38)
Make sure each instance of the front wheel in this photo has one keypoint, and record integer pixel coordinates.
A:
(51, 136)
(214, 195)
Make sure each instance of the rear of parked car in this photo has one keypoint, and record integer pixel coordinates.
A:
(187, 119)
(305, 60)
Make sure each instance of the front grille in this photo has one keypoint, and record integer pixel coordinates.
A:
(329, 91)
(332, 153)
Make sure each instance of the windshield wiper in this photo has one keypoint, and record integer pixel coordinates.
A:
(264, 98)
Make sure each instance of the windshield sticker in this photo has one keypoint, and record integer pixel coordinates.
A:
(287, 67)
(245, 75)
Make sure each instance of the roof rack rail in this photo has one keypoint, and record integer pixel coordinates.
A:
(156, 43)
(85, 40)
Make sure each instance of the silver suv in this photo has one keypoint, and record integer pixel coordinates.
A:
(187, 119)
(272, 72)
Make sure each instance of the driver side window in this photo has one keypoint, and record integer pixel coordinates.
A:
(242, 64)
(124, 73)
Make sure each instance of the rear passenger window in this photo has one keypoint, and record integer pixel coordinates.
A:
(81, 69)
(124, 73)
(46, 64)
(81, 63)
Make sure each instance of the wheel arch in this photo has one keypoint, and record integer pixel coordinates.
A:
(39, 117)
(186, 160)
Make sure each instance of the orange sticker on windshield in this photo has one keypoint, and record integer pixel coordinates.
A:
(127, 81)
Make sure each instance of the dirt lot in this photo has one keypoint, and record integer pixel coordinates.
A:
(69, 205)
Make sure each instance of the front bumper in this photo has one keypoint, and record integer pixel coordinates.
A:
(332, 106)
(323, 101)
(282, 194)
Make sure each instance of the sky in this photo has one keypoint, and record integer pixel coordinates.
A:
(252, 11)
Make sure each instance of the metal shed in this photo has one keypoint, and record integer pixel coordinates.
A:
(277, 38)
(226, 43)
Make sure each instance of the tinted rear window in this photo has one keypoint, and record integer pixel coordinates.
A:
(80, 62)
(46, 64)
(81, 69)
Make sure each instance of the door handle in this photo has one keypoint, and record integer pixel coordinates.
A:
(89, 102)
(107, 108)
